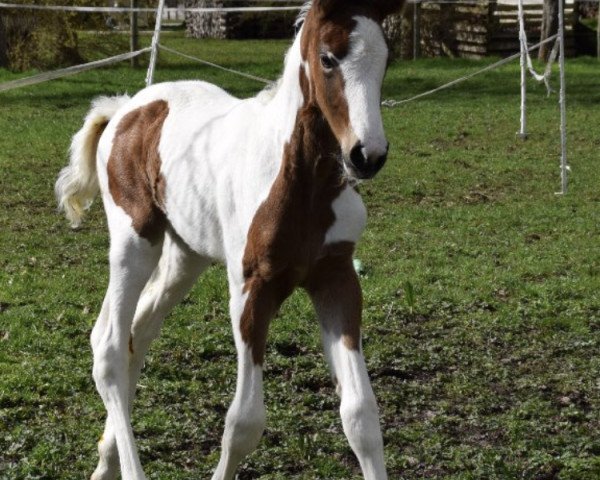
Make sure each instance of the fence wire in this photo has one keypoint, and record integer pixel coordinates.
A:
(65, 72)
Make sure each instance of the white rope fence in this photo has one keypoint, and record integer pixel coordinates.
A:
(504, 61)
(215, 65)
(487, 2)
(155, 40)
(83, 9)
(65, 72)
(44, 77)
(526, 64)
(564, 166)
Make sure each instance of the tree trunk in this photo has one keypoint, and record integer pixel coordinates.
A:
(549, 26)
(398, 32)
(598, 34)
(392, 26)
(3, 44)
(205, 25)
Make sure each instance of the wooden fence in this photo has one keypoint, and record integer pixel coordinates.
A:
(474, 30)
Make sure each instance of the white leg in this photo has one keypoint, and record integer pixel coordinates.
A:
(176, 273)
(132, 260)
(108, 465)
(245, 421)
(336, 295)
(358, 408)
(251, 313)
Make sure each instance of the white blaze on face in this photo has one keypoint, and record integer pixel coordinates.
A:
(363, 70)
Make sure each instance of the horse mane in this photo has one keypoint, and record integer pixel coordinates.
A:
(302, 15)
(267, 93)
(271, 89)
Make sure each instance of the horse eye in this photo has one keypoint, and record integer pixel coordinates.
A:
(327, 62)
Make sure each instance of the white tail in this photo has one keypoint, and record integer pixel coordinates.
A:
(77, 183)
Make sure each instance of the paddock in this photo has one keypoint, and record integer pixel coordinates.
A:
(482, 298)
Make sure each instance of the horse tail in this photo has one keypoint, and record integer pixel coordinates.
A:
(77, 183)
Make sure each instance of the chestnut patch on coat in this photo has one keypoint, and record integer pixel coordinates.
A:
(134, 178)
(335, 291)
(286, 236)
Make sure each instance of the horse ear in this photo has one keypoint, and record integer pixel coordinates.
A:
(325, 7)
(389, 7)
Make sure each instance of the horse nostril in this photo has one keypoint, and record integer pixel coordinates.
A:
(366, 166)
(357, 157)
(380, 162)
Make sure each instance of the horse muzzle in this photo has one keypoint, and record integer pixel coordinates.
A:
(362, 165)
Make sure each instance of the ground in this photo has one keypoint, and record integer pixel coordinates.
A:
(482, 298)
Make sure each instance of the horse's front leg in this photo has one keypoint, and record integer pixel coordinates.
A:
(335, 292)
(253, 304)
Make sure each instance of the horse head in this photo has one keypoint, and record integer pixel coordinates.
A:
(344, 56)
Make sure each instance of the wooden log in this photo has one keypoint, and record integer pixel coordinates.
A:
(467, 38)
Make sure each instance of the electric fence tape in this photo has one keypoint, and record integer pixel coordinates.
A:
(214, 65)
(394, 103)
(65, 72)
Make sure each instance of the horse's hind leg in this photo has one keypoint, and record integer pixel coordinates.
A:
(172, 279)
(132, 260)
(108, 467)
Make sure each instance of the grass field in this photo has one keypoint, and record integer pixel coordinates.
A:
(482, 294)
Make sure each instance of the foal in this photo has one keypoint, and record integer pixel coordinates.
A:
(189, 175)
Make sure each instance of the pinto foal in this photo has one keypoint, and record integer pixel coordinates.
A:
(189, 175)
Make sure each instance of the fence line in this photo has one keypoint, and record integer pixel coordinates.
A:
(214, 65)
(564, 166)
(545, 77)
(125, 56)
(524, 54)
(75, 8)
(395, 103)
(528, 3)
(65, 72)
(527, 64)
(70, 8)
(155, 40)
(386, 103)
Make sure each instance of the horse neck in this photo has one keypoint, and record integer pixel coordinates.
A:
(309, 147)
(282, 109)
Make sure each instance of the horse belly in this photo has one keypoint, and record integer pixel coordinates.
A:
(194, 169)
(191, 209)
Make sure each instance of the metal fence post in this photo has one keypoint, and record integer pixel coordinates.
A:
(564, 166)
(134, 33)
(522, 42)
(416, 29)
(155, 40)
(598, 33)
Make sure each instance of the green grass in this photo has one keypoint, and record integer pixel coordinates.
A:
(590, 22)
(482, 294)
